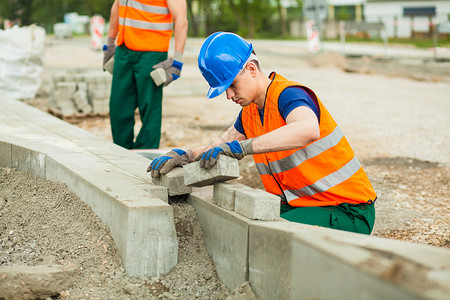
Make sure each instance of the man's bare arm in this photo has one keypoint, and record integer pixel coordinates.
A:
(114, 20)
(179, 12)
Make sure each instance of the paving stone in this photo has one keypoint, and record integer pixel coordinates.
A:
(226, 168)
(174, 181)
(58, 76)
(68, 87)
(98, 92)
(224, 193)
(82, 86)
(257, 204)
(225, 235)
(81, 101)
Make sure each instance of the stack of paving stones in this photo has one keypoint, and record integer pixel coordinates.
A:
(80, 92)
(252, 203)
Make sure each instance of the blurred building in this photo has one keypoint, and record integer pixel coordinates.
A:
(408, 19)
(401, 19)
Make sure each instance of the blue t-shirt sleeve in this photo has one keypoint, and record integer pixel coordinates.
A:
(238, 123)
(293, 97)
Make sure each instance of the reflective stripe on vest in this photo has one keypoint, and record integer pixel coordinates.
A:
(325, 183)
(302, 154)
(145, 25)
(324, 172)
(145, 7)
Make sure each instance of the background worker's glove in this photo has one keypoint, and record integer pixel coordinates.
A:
(167, 71)
(234, 149)
(170, 160)
(108, 53)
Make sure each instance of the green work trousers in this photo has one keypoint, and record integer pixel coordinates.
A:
(132, 87)
(349, 217)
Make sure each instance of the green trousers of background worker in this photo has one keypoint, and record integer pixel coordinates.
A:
(358, 218)
(132, 87)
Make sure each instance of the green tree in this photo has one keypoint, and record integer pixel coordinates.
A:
(49, 12)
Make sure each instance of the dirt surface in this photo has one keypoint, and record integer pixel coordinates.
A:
(395, 118)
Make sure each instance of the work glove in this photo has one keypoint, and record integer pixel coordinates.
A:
(109, 49)
(167, 71)
(234, 149)
(170, 160)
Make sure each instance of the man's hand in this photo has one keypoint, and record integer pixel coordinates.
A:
(108, 51)
(170, 160)
(234, 149)
(167, 71)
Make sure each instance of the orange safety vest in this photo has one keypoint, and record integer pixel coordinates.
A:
(145, 25)
(325, 172)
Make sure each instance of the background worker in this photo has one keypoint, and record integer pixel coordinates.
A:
(300, 152)
(143, 29)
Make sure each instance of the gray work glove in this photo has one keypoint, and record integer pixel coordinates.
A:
(108, 51)
(167, 71)
(234, 149)
(170, 160)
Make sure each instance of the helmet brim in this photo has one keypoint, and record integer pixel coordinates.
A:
(216, 91)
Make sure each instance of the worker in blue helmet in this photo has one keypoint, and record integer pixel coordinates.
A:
(300, 152)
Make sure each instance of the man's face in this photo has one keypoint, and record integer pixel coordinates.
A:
(240, 91)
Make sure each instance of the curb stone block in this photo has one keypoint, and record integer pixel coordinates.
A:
(257, 204)
(5, 154)
(174, 181)
(226, 168)
(224, 194)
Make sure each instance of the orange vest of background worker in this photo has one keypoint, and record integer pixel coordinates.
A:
(148, 25)
(323, 173)
(141, 67)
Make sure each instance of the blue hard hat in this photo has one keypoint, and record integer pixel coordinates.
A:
(221, 58)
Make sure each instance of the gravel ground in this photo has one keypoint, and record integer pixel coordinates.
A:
(395, 118)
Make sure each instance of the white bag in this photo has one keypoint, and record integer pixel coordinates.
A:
(21, 61)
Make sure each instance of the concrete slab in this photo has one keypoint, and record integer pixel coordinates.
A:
(257, 204)
(174, 181)
(160, 192)
(27, 160)
(226, 168)
(150, 154)
(225, 235)
(319, 255)
(224, 194)
(5, 154)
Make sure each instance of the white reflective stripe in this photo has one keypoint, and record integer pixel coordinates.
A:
(289, 195)
(299, 156)
(145, 25)
(262, 168)
(327, 182)
(144, 7)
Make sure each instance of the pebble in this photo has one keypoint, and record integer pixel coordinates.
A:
(130, 289)
(427, 220)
